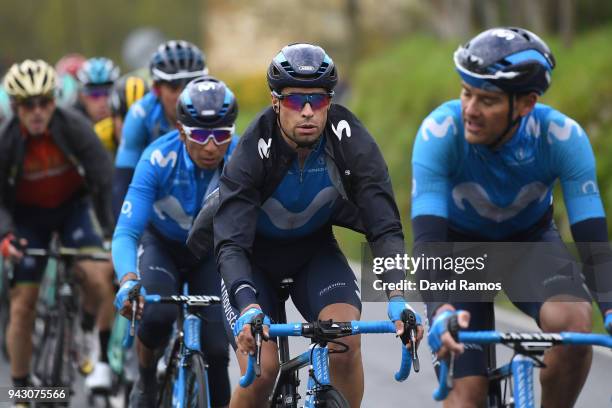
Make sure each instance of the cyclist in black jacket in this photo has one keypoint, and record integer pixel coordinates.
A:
(301, 166)
(51, 163)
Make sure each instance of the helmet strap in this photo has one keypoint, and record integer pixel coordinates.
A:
(511, 123)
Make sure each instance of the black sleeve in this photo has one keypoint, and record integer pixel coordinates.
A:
(6, 153)
(428, 229)
(235, 220)
(371, 189)
(201, 237)
(591, 237)
(96, 162)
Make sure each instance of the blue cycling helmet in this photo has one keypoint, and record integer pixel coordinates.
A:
(302, 66)
(208, 103)
(177, 60)
(510, 59)
(98, 72)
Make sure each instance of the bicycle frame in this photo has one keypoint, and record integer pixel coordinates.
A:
(189, 338)
(189, 325)
(521, 366)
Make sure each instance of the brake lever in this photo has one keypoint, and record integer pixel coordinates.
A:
(409, 336)
(257, 330)
(133, 297)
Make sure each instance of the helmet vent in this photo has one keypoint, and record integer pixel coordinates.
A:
(288, 68)
(322, 68)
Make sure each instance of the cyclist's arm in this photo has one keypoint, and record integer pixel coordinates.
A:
(574, 160)
(6, 219)
(134, 139)
(432, 157)
(134, 217)
(235, 221)
(371, 191)
(97, 164)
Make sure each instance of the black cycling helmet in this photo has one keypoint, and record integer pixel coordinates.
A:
(177, 60)
(510, 59)
(208, 103)
(303, 66)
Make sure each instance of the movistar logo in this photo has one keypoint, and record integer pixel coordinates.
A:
(342, 127)
(432, 128)
(263, 148)
(157, 158)
(564, 132)
(480, 201)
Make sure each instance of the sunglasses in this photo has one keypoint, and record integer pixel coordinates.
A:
(36, 101)
(219, 136)
(297, 101)
(96, 93)
(175, 85)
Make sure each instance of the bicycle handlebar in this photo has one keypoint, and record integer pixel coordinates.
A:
(69, 252)
(520, 341)
(189, 300)
(330, 330)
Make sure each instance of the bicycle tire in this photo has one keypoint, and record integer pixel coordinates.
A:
(196, 387)
(58, 353)
(4, 323)
(5, 311)
(332, 398)
(170, 377)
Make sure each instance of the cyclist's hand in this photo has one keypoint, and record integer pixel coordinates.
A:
(439, 339)
(397, 304)
(11, 248)
(608, 321)
(242, 329)
(122, 302)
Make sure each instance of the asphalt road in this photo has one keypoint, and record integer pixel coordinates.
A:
(381, 354)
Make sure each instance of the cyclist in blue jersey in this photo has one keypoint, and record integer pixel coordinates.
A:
(483, 170)
(173, 65)
(299, 162)
(96, 78)
(174, 175)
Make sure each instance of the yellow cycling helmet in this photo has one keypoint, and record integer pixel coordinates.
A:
(126, 91)
(30, 78)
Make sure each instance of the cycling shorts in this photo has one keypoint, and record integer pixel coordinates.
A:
(544, 282)
(320, 272)
(74, 221)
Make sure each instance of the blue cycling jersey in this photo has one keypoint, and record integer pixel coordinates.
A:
(496, 193)
(303, 201)
(168, 191)
(144, 122)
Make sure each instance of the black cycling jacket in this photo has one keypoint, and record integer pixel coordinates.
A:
(74, 135)
(259, 163)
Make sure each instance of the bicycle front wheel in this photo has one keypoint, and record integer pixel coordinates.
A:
(196, 386)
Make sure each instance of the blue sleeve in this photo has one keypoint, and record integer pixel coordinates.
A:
(574, 162)
(134, 137)
(432, 159)
(134, 217)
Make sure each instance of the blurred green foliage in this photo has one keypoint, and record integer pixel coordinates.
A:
(49, 29)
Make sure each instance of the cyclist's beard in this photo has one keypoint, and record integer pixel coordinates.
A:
(291, 136)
